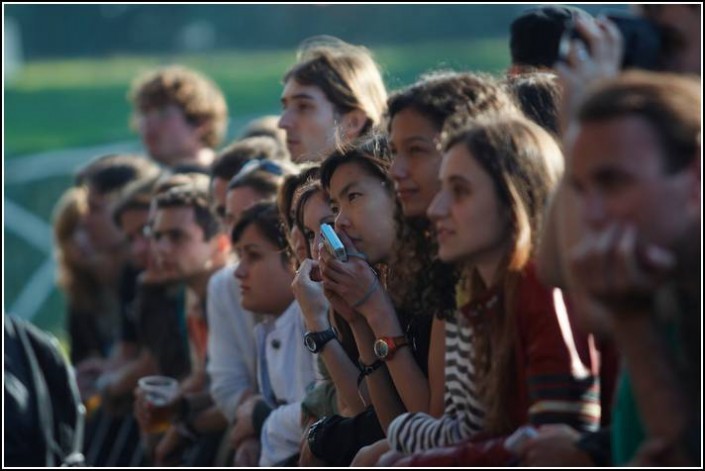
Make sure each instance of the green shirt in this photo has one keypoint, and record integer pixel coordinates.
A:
(627, 428)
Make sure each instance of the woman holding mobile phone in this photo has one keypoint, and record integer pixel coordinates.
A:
(311, 212)
(367, 216)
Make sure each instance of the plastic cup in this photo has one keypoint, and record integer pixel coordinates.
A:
(159, 392)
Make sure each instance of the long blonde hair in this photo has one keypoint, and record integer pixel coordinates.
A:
(74, 277)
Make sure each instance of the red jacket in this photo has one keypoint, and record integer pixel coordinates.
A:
(557, 379)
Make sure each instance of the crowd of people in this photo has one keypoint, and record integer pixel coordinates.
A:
(518, 282)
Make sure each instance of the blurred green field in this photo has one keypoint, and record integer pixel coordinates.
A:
(57, 104)
(53, 105)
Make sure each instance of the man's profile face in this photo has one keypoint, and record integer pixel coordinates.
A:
(309, 119)
(617, 170)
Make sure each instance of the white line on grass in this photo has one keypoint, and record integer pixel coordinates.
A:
(34, 230)
(28, 227)
(36, 290)
(62, 162)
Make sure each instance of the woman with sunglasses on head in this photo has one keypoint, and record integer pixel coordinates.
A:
(512, 356)
(258, 180)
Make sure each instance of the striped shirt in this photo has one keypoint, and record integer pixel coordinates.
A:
(556, 380)
(412, 432)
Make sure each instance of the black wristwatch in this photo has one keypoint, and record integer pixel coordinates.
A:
(315, 341)
(313, 436)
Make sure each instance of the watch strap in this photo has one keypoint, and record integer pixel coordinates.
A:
(320, 338)
(392, 344)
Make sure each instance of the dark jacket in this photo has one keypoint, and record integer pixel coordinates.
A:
(44, 417)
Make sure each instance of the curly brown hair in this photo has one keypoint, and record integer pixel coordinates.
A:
(200, 99)
(437, 96)
(422, 284)
(441, 94)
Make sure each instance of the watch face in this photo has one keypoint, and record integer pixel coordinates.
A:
(310, 343)
(381, 349)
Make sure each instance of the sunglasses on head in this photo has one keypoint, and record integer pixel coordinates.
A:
(264, 165)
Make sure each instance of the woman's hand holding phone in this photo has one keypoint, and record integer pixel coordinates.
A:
(346, 282)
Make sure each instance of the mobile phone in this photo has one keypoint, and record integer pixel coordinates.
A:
(520, 435)
(333, 243)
